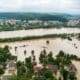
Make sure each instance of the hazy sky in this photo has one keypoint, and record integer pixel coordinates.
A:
(64, 6)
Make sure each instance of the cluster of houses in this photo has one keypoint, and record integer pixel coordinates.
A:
(54, 69)
(73, 22)
(11, 69)
(28, 23)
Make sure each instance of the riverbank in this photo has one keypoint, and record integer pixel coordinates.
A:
(37, 32)
(22, 35)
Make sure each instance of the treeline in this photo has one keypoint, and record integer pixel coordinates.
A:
(62, 64)
(63, 36)
(5, 56)
(33, 16)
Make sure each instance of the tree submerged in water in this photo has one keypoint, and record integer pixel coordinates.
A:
(5, 56)
(51, 68)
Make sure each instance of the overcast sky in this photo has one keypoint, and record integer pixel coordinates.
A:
(63, 6)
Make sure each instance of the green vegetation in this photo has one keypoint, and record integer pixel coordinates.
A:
(62, 63)
(53, 20)
(27, 26)
(33, 16)
(28, 69)
(63, 36)
(1, 71)
(78, 37)
(4, 57)
(25, 70)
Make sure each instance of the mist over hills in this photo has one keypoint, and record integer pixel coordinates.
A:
(40, 16)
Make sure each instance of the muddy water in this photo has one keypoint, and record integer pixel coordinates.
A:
(37, 32)
(54, 45)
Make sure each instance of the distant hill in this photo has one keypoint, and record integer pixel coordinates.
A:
(41, 16)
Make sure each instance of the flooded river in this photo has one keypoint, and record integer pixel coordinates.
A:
(37, 45)
(37, 32)
(23, 49)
